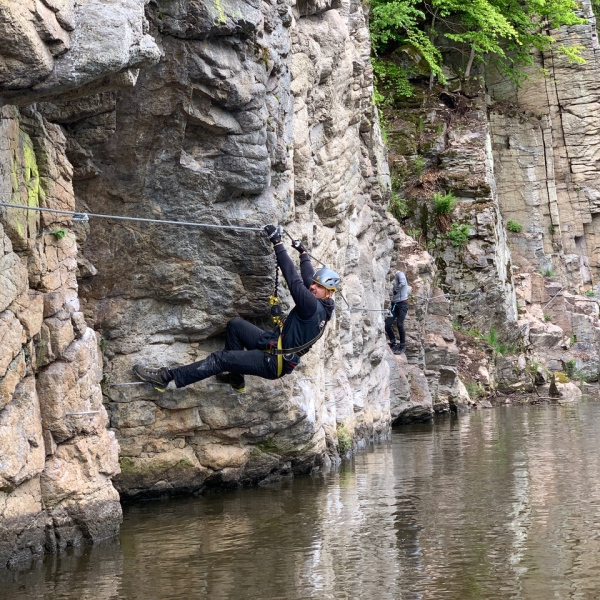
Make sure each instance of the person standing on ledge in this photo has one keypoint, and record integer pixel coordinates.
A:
(398, 311)
(268, 354)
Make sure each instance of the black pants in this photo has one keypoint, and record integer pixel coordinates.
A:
(399, 310)
(234, 359)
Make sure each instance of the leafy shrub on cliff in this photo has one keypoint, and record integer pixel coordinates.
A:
(59, 234)
(443, 204)
(392, 78)
(458, 234)
(397, 207)
(501, 348)
(475, 390)
(344, 439)
(514, 227)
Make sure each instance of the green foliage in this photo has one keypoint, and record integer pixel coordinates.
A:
(547, 317)
(500, 347)
(500, 31)
(547, 272)
(551, 229)
(59, 234)
(397, 206)
(590, 293)
(344, 439)
(573, 53)
(419, 166)
(475, 390)
(458, 234)
(443, 204)
(491, 338)
(573, 373)
(392, 78)
(514, 227)
(397, 25)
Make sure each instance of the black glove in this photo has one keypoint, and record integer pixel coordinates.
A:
(298, 245)
(273, 232)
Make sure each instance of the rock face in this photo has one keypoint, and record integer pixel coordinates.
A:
(230, 113)
(525, 177)
(60, 47)
(261, 117)
(246, 113)
(56, 463)
(547, 176)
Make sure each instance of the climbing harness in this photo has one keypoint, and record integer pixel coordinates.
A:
(279, 351)
(84, 217)
(278, 320)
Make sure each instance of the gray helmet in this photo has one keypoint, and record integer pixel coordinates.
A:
(327, 278)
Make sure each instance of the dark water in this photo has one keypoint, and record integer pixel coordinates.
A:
(498, 504)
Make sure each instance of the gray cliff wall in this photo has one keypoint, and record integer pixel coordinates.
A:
(545, 146)
(523, 164)
(233, 112)
(55, 463)
(264, 119)
(57, 455)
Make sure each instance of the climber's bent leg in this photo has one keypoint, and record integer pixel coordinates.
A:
(240, 334)
(250, 362)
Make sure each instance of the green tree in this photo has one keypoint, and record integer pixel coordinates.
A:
(399, 26)
(500, 31)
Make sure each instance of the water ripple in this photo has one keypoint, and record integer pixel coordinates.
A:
(496, 505)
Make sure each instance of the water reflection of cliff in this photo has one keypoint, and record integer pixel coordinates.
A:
(501, 504)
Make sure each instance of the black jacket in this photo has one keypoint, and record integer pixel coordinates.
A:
(309, 315)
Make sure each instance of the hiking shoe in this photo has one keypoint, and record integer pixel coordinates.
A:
(391, 344)
(159, 378)
(398, 349)
(235, 380)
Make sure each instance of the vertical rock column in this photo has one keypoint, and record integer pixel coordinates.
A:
(55, 464)
(340, 193)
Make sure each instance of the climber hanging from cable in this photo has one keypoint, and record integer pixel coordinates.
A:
(268, 354)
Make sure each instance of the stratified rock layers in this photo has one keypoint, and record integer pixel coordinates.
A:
(228, 113)
(545, 142)
(233, 128)
(56, 455)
